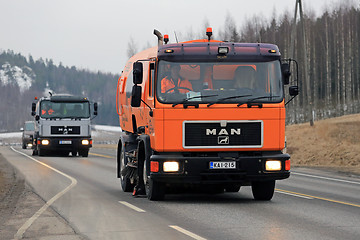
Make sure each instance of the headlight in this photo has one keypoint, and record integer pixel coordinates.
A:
(273, 165)
(171, 166)
(85, 142)
(45, 142)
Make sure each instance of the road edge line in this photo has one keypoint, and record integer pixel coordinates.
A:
(30, 221)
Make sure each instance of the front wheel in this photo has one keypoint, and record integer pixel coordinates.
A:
(263, 190)
(124, 181)
(84, 153)
(155, 191)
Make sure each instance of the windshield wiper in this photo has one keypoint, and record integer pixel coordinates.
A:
(253, 99)
(227, 98)
(73, 117)
(187, 99)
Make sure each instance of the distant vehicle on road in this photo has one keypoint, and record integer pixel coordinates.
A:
(62, 125)
(27, 134)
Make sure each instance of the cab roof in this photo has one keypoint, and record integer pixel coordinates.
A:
(209, 51)
(66, 98)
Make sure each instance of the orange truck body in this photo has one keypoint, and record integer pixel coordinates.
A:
(204, 134)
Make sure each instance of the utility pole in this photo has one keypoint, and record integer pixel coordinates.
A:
(309, 103)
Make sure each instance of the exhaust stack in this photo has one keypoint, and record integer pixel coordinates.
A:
(159, 36)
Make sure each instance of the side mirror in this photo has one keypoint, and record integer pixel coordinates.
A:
(33, 109)
(137, 73)
(21, 129)
(95, 109)
(136, 96)
(37, 117)
(294, 90)
(285, 69)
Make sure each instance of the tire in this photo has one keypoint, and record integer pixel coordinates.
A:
(155, 191)
(263, 190)
(124, 181)
(84, 153)
(232, 188)
(41, 152)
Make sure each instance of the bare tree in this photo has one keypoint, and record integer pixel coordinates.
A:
(132, 48)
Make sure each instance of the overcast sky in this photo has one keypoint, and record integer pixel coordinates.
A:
(95, 34)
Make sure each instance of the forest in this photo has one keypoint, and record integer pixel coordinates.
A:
(15, 107)
(331, 54)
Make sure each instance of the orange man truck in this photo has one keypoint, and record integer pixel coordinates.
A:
(218, 123)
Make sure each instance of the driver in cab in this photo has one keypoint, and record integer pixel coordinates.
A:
(244, 77)
(174, 82)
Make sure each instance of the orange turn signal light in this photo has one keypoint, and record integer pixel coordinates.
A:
(154, 166)
(287, 165)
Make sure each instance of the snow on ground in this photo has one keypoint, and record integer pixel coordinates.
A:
(10, 135)
(106, 128)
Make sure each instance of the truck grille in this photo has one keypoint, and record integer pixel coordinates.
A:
(223, 134)
(65, 130)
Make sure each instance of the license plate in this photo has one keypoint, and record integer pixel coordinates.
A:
(65, 142)
(222, 165)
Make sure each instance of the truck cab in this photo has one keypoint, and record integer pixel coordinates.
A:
(62, 125)
(219, 123)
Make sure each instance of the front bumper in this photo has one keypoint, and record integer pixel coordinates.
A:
(58, 143)
(197, 170)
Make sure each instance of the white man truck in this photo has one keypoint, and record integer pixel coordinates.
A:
(62, 125)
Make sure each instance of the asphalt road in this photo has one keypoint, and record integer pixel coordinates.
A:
(311, 204)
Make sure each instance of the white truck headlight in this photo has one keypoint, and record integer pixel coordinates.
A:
(273, 165)
(85, 142)
(45, 142)
(171, 167)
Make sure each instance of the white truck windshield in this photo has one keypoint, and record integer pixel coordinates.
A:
(50, 109)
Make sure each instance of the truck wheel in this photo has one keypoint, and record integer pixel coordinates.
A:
(124, 181)
(232, 188)
(263, 190)
(41, 152)
(84, 153)
(155, 191)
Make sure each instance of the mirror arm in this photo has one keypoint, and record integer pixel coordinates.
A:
(290, 100)
(151, 113)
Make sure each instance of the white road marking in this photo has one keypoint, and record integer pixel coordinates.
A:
(326, 178)
(133, 207)
(27, 224)
(292, 194)
(186, 232)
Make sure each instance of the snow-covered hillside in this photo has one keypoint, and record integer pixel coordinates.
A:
(14, 75)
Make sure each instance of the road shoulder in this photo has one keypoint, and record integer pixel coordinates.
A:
(18, 203)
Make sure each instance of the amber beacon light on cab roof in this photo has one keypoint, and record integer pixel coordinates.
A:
(203, 113)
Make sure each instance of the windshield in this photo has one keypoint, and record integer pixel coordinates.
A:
(220, 82)
(50, 109)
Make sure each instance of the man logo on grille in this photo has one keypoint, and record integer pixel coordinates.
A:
(223, 140)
